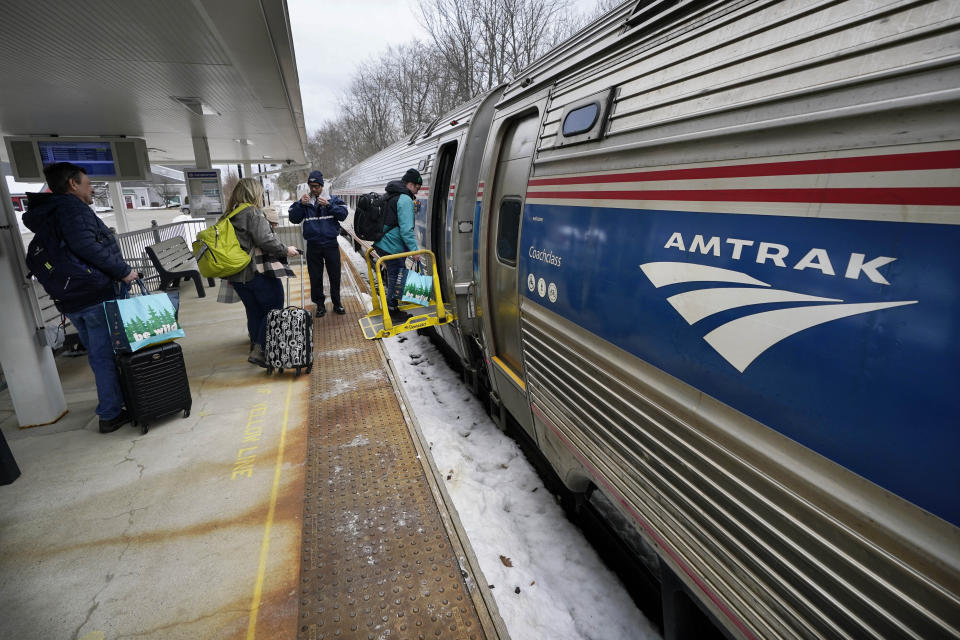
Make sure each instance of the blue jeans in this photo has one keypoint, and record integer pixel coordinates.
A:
(91, 324)
(259, 296)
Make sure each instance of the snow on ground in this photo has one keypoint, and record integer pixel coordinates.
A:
(547, 581)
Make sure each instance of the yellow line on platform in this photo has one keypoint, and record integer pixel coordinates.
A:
(265, 545)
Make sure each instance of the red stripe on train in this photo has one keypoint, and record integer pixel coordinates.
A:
(860, 164)
(937, 196)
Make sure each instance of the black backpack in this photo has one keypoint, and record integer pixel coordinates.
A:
(372, 214)
(64, 276)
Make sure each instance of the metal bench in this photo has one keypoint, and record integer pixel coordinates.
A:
(173, 260)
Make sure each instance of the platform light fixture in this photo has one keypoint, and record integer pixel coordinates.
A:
(196, 105)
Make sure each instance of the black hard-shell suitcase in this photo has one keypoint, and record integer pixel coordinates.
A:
(154, 383)
(289, 340)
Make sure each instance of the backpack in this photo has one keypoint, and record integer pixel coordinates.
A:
(217, 249)
(63, 275)
(372, 214)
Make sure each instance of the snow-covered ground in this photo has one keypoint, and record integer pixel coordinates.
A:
(548, 582)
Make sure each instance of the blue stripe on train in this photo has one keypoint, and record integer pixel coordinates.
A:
(877, 392)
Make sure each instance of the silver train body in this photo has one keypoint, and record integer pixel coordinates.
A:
(704, 254)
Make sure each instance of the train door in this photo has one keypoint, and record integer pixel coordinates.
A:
(439, 208)
(506, 207)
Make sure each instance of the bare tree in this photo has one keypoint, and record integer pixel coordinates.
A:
(288, 181)
(454, 29)
(327, 150)
(474, 46)
(101, 195)
(367, 115)
(487, 42)
(165, 191)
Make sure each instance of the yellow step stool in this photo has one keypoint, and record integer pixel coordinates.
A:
(378, 324)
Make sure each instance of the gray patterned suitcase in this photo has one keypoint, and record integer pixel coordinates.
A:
(289, 340)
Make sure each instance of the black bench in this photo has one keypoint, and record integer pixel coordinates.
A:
(173, 260)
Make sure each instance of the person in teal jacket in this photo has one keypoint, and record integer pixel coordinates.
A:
(399, 237)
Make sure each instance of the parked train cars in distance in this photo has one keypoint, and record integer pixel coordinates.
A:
(704, 256)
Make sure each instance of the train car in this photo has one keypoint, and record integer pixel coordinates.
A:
(710, 271)
(448, 153)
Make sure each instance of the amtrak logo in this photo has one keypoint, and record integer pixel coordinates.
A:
(742, 340)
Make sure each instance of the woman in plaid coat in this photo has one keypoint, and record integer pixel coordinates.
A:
(260, 291)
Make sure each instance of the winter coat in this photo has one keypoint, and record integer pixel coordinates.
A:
(321, 224)
(84, 234)
(401, 238)
(253, 230)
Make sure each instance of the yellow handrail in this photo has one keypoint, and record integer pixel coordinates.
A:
(380, 299)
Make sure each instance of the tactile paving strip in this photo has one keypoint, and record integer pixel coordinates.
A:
(376, 559)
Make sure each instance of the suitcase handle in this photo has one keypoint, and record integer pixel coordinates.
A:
(303, 299)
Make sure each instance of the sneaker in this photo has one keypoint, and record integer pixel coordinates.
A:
(106, 426)
(257, 357)
(338, 309)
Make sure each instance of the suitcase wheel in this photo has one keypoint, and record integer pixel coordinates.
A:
(309, 368)
(143, 429)
(186, 413)
(297, 374)
(269, 370)
(280, 370)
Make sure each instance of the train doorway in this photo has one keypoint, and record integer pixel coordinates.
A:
(440, 210)
(509, 191)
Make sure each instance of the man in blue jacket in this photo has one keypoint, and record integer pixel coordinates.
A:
(321, 219)
(67, 216)
(401, 237)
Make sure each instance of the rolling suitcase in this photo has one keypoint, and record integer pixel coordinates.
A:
(289, 339)
(154, 383)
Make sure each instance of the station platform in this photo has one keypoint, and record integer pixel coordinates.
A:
(282, 507)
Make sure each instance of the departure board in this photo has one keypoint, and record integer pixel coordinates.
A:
(95, 157)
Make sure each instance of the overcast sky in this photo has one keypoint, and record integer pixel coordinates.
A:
(331, 38)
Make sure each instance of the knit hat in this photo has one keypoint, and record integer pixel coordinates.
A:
(271, 214)
(315, 176)
(412, 175)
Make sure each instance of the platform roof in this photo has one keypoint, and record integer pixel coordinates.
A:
(118, 67)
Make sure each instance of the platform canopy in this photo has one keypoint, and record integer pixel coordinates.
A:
(167, 71)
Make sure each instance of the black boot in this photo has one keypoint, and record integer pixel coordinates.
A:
(106, 426)
(257, 357)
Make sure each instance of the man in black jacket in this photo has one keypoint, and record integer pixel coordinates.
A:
(66, 215)
(321, 218)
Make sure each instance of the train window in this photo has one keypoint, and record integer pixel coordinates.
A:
(581, 119)
(585, 119)
(508, 229)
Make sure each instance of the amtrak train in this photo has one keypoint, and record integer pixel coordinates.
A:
(705, 256)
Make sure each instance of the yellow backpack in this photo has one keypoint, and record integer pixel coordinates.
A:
(217, 249)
